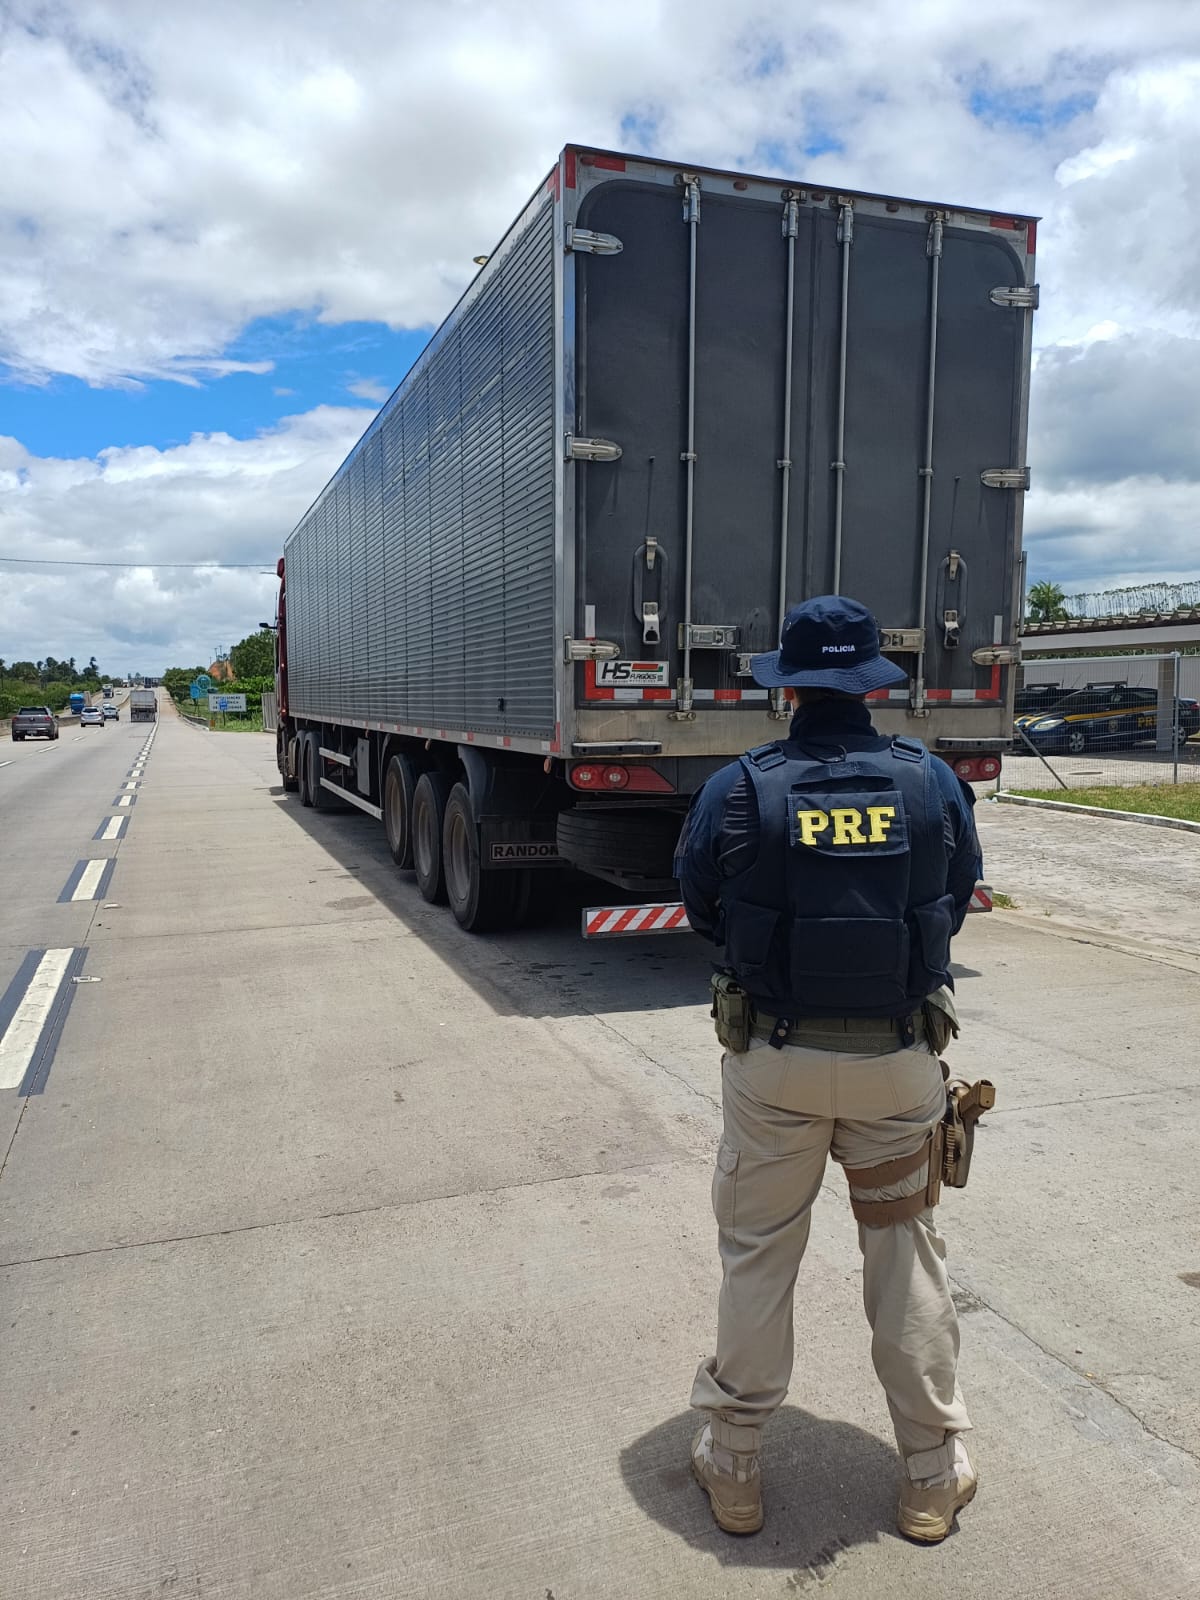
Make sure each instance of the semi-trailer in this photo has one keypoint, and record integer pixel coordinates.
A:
(515, 625)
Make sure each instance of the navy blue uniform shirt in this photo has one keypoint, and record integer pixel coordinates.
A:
(720, 836)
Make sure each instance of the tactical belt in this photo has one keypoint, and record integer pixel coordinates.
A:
(849, 1035)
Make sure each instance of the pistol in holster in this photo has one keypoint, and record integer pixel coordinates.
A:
(731, 1012)
(965, 1104)
(947, 1151)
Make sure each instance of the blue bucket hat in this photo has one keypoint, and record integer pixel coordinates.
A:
(828, 642)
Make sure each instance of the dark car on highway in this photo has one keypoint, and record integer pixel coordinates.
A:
(34, 722)
(1111, 714)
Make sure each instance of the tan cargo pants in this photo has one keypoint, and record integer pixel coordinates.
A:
(786, 1111)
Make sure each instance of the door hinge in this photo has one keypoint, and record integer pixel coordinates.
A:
(902, 640)
(1023, 297)
(708, 636)
(1005, 478)
(592, 449)
(590, 650)
(683, 711)
(997, 655)
(584, 241)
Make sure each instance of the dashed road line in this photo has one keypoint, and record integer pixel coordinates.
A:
(111, 828)
(88, 881)
(125, 800)
(31, 1017)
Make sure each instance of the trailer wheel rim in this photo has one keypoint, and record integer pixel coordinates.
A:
(458, 858)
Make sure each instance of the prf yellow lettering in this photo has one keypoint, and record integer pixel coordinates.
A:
(811, 824)
(847, 827)
(882, 818)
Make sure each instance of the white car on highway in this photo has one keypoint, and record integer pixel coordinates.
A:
(91, 717)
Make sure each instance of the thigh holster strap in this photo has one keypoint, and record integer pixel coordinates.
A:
(883, 1213)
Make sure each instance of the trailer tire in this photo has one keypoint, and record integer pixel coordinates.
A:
(399, 789)
(481, 901)
(640, 844)
(290, 785)
(302, 769)
(429, 813)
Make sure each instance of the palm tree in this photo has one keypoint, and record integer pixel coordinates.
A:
(1047, 603)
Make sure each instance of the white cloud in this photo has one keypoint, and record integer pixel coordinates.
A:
(214, 499)
(172, 172)
(369, 389)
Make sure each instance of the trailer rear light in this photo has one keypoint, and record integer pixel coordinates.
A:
(594, 776)
(973, 769)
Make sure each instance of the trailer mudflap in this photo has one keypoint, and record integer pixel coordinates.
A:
(506, 842)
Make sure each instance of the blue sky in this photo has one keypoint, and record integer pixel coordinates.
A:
(314, 364)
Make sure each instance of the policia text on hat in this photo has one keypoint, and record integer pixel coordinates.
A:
(830, 870)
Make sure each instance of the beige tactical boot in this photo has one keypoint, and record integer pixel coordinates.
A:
(928, 1506)
(732, 1482)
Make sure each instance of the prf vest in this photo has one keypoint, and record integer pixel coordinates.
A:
(844, 912)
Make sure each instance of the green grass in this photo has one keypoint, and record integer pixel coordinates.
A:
(1003, 902)
(250, 723)
(1159, 799)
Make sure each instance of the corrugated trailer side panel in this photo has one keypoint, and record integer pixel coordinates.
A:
(421, 584)
(373, 571)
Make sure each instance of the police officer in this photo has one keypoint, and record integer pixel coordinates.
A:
(830, 871)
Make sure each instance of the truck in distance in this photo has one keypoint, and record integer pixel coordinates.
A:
(515, 625)
(143, 705)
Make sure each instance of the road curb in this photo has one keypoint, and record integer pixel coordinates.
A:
(1100, 811)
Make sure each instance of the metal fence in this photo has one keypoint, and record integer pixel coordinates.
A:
(1088, 722)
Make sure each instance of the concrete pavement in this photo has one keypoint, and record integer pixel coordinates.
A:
(346, 1255)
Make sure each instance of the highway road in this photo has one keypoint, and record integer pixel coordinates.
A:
(344, 1255)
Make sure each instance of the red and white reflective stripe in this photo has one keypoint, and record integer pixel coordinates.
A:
(955, 696)
(608, 922)
(611, 922)
(713, 697)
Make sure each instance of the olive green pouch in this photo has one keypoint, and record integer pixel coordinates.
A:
(731, 1012)
(941, 1019)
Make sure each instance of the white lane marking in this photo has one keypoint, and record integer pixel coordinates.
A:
(85, 889)
(112, 829)
(130, 786)
(23, 1032)
(125, 799)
